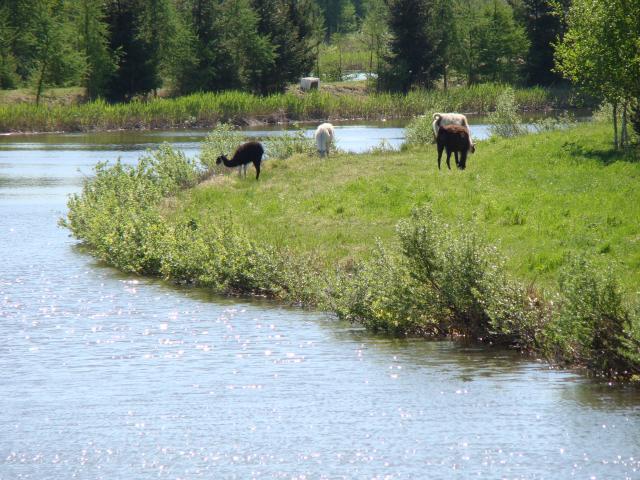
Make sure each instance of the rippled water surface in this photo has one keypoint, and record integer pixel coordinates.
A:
(117, 377)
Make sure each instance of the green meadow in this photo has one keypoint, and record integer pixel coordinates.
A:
(539, 198)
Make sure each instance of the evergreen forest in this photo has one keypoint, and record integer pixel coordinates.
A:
(120, 49)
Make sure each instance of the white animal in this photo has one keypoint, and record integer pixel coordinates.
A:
(324, 138)
(442, 119)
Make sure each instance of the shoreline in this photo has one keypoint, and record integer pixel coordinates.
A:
(255, 122)
(531, 294)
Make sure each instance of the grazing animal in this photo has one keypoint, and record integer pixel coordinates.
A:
(250, 152)
(442, 119)
(324, 138)
(453, 138)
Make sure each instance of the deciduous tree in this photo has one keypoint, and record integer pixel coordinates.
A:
(600, 53)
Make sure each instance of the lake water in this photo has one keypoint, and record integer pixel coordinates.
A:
(111, 376)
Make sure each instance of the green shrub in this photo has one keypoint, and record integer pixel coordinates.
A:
(117, 211)
(288, 144)
(591, 325)
(451, 263)
(381, 295)
(113, 214)
(505, 120)
(117, 215)
(441, 280)
(169, 169)
(420, 131)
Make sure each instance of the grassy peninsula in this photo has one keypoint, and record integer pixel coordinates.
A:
(535, 245)
(342, 100)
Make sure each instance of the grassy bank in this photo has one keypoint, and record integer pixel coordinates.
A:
(534, 245)
(208, 109)
(540, 197)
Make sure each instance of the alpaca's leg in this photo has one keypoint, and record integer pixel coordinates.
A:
(457, 160)
(448, 159)
(257, 165)
(440, 149)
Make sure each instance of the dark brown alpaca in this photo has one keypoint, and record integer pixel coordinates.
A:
(454, 138)
(250, 152)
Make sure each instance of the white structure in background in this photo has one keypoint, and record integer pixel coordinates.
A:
(309, 83)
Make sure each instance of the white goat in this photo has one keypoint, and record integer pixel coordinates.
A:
(324, 138)
(442, 119)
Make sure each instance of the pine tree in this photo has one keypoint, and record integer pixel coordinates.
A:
(8, 65)
(544, 28)
(414, 58)
(138, 65)
(502, 43)
(294, 31)
(94, 43)
(251, 51)
(209, 65)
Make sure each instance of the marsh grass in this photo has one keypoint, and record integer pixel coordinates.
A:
(209, 109)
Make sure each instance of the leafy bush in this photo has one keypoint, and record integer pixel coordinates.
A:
(442, 280)
(382, 296)
(505, 120)
(420, 131)
(169, 169)
(113, 214)
(288, 144)
(451, 264)
(592, 326)
(117, 215)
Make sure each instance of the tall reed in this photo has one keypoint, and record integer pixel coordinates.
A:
(208, 109)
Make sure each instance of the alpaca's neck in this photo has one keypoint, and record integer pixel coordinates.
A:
(229, 163)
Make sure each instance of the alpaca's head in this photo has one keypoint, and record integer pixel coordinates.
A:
(473, 148)
(220, 159)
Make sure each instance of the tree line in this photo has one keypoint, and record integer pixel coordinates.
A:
(119, 49)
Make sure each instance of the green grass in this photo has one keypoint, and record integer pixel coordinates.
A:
(208, 109)
(540, 198)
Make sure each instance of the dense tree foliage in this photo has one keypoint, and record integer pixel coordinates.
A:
(544, 28)
(120, 49)
(600, 53)
(414, 58)
(294, 29)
